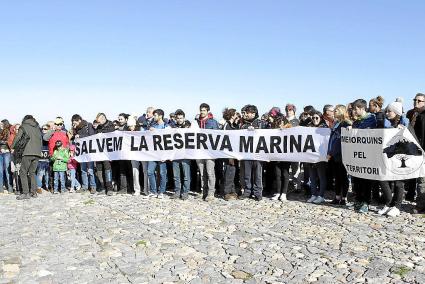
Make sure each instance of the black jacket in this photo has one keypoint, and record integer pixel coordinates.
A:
(419, 128)
(84, 129)
(108, 126)
(32, 130)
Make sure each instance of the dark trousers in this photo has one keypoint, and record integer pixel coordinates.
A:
(104, 174)
(362, 189)
(341, 180)
(387, 190)
(125, 169)
(28, 169)
(229, 176)
(282, 176)
(253, 175)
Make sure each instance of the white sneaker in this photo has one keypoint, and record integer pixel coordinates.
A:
(136, 193)
(384, 210)
(161, 196)
(275, 197)
(151, 195)
(312, 198)
(283, 197)
(393, 212)
(319, 200)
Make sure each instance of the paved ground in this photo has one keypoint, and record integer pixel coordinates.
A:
(79, 238)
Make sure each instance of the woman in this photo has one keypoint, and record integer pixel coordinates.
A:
(334, 154)
(394, 119)
(375, 107)
(5, 157)
(318, 178)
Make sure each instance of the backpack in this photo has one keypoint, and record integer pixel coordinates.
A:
(20, 146)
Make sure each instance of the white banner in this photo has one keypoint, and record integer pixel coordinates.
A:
(300, 144)
(382, 154)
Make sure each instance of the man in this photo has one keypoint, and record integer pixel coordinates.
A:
(55, 134)
(179, 190)
(361, 186)
(103, 168)
(253, 170)
(206, 167)
(29, 131)
(145, 122)
(417, 122)
(124, 165)
(159, 123)
(43, 168)
(80, 129)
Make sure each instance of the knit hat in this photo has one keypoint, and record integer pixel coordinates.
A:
(58, 120)
(131, 121)
(396, 107)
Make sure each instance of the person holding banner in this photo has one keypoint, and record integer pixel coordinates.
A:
(252, 170)
(206, 167)
(362, 187)
(181, 191)
(335, 155)
(394, 118)
(418, 124)
(159, 123)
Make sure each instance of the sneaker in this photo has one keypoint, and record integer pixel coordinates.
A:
(343, 202)
(55, 192)
(63, 191)
(258, 198)
(319, 200)
(93, 191)
(384, 210)
(23, 196)
(311, 199)
(393, 212)
(175, 195)
(185, 196)
(231, 196)
(275, 197)
(71, 191)
(209, 198)
(283, 197)
(150, 195)
(136, 193)
(364, 208)
(109, 193)
(161, 196)
(33, 195)
(78, 188)
(335, 202)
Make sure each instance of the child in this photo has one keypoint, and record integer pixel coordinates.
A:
(72, 168)
(60, 159)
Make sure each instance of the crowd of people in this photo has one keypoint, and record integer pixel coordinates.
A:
(38, 159)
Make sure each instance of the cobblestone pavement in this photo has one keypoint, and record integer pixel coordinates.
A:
(82, 238)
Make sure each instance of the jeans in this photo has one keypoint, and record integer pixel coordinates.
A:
(43, 173)
(398, 187)
(185, 164)
(74, 182)
(282, 176)
(136, 181)
(318, 178)
(207, 172)
(28, 169)
(253, 178)
(5, 171)
(104, 167)
(87, 172)
(59, 176)
(152, 177)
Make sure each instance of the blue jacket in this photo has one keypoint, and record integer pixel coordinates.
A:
(368, 121)
(403, 121)
(334, 146)
(209, 123)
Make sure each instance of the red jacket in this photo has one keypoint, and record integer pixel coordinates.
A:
(58, 135)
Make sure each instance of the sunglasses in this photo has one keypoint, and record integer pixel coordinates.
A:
(316, 118)
(45, 128)
(59, 124)
(419, 101)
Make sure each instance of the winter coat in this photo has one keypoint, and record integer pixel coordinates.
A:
(334, 146)
(419, 128)
(52, 136)
(207, 123)
(85, 129)
(108, 126)
(32, 130)
(60, 165)
(365, 122)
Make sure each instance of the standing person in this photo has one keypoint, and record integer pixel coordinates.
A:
(230, 116)
(103, 168)
(181, 190)
(132, 125)
(43, 168)
(158, 115)
(253, 170)
(375, 107)
(290, 110)
(124, 165)
(361, 186)
(72, 169)
(318, 175)
(5, 170)
(329, 119)
(28, 140)
(306, 121)
(205, 120)
(15, 163)
(281, 168)
(395, 118)
(145, 122)
(418, 124)
(60, 160)
(55, 134)
(334, 154)
(80, 129)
